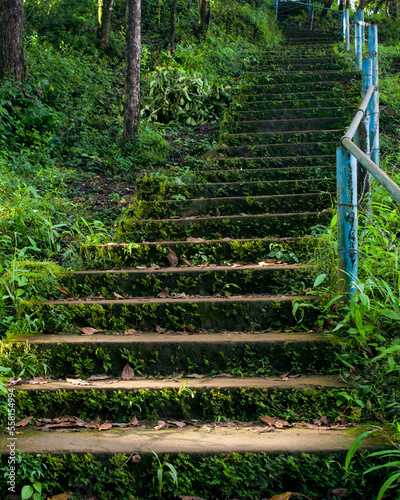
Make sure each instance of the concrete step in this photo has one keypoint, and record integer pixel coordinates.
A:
(304, 149)
(240, 115)
(342, 96)
(266, 162)
(285, 124)
(288, 77)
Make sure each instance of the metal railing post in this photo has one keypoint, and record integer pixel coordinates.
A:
(347, 221)
(364, 177)
(358, 37)
(276, 9)
(374, 110)
(347, 27)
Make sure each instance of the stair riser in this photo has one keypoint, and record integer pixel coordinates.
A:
(223, 190)
(233, 281)
(176, 404)
(214, 252)
(312, 77)
(268, 175)
(332, 86)
(244, 163)
(290, 149)
(254, 102)
(234, 315)
(241, 115)
(232, 206)
(251, 226)
(267, 131)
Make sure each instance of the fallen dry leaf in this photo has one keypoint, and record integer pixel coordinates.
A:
(61, 496)
(23, 422)
(13, 381)
(191, 498)
(176, 423)
(340, 492)
(190, 238)
(161, 425)
(282, 496)
(130, 331)
(194, 375)
(105, 427)
(94, 423)
(269, 420)
(132, 423)
(127, 373)
(163, 294)
(88, 330)
(77, 381)
(172, 258)
(159, 329)
(65, 291)
(187, 262)
(98, 377)
(118, 296)
(39, 380)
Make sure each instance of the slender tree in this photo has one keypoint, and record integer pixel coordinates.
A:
(105, 9)
(12, 63)
(204, 16)
(172, 24)
(132, 77)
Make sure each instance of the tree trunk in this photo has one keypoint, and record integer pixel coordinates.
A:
(393, 9)
(12, 64)
(132, 78)
(204, 16)
(363, 3)
(327, 5)
(105, 18)
(171, 40)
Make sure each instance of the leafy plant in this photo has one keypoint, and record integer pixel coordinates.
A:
(158, 481)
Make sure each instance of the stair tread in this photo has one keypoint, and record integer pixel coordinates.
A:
(190, 439)
(303, 382)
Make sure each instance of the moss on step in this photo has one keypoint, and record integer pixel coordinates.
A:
(297, 136)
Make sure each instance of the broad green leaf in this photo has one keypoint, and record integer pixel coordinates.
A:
(387, 484)
(319, 279)
(353, 448)
(26, 492)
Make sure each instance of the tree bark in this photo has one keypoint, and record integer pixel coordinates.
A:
(12, 64)
(132, 77)
(363, 3)
(172, 24)
(105, 24)
(327, 5)
(204, 16)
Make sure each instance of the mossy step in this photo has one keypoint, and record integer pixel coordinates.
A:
(150, 354)
(195, 280)
(161, 191)
(298, 65)
(208, 399)
(341, 95)
(110, 256)
(312, 77)
(240, 313)
(333, 86)
(305, 149)
(270, 174)
(235, 205)
(297, 136)
(238, 226)
(285, 124)
(289, 113)
(243, 162)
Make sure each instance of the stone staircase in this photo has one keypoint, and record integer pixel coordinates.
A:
(197, 296)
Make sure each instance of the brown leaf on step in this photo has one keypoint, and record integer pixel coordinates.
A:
(132, 423)
(172, 258)
(195, 239)
(77, 381)
(65, 291)
(127, 373)
(186, 329)
(155, 266)
(61, 496)
(187, 262)
(222, 375)
(98, 377)
(353, 372)
(267, 429)
(106, 426)
(88, 330)
(191, 498)
(130, 331)
(39, 380)
(161, 425)
(136, 459)
(176, 423)
(94, 423)
(298, 375)
(13, 381)
(118, 296)
(281, 424)
(158, 329)
(340, 492)
(23, 422)
(194, 375)
(163, 294)
(282, 496)
(269, 420)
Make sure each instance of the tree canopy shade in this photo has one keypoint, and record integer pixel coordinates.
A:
(11, 40)
(132, 78)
